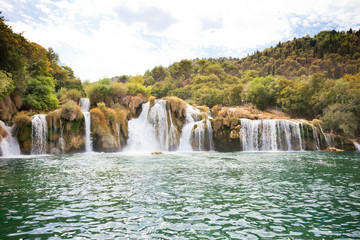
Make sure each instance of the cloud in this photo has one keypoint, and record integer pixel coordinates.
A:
(209, 24)
(156, 19)
(106, 38)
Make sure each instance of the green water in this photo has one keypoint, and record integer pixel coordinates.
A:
(190, 195)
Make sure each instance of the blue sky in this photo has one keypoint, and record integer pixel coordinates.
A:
(114, 37)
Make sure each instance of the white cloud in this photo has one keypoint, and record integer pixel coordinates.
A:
(6, 6)
(98, 38)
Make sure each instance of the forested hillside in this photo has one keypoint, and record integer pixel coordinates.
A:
(30, 75)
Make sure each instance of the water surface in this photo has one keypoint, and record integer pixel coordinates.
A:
(256, 195)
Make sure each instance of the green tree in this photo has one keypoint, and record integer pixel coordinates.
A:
(6, 84)
(40, 94)
(341, 120)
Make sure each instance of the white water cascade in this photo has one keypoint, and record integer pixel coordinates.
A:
(327, 137)
(196, 131)
(9, 145)
(85, 106)
(153, 130)
(39, 131)
(271, 135)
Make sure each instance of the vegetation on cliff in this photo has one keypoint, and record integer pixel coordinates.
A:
(30, 74)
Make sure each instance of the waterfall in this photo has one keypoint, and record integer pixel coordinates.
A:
(327, 137)
(357, 146)
(160, 117)
(9, 145)
(142, 133)
(39, 131)
(153, 130)
(316, 137)
(270, 135)
(118, 135)
(61, 139)
(85, 106)
(196, 134)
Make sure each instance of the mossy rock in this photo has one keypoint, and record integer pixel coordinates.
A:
(24, 133)
(75, 125)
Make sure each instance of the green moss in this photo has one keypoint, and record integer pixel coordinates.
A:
(227, 130)
(75, 125)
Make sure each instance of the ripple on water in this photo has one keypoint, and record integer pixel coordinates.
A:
(181, 195)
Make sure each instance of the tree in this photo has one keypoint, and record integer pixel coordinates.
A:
(235, 94)
(40, 94)
(159, 73)
(339, 119)
(6, 84)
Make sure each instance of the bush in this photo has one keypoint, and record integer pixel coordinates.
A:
(21, 119)
(73, 94)
(118, 90)
(71, 111)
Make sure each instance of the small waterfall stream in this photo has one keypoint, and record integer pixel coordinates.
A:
(196, 131)
(9, 145)
(85, 106)
(39, 131)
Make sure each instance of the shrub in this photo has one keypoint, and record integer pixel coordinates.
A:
(73, 94)
(21, 119)
(118, 90)
(101, 106)
(118, 107)
(71, 111)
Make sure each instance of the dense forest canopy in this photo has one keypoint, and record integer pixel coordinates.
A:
(309, 77)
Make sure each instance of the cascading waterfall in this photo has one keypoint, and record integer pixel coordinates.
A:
(142, 133)
(270, 135)
(160, 117)
(39, 131)
(85, 106)
(196, 131)
(9, 145)
(153, 130)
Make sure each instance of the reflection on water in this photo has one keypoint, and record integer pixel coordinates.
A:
(192, 195)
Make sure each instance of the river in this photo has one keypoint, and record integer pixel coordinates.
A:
(247, 195)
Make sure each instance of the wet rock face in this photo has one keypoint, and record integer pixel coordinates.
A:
(226, 133)
(109, 129)
(134, 104)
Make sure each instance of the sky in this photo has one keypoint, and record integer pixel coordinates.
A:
(109, 38)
